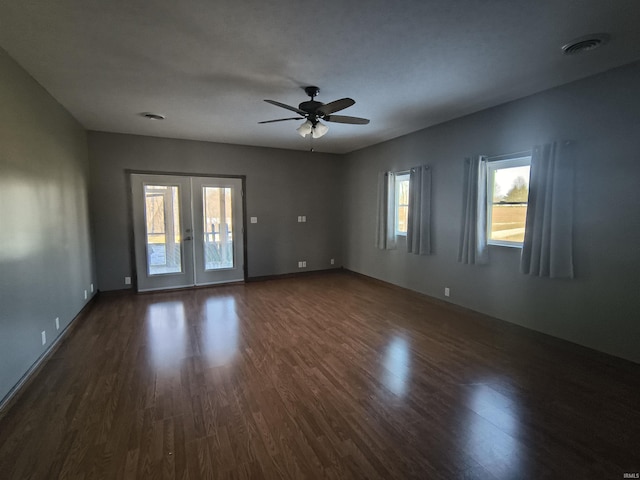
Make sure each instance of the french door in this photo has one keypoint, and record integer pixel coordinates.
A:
(187, 230)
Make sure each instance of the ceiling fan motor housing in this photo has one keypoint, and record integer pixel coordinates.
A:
(310, 106)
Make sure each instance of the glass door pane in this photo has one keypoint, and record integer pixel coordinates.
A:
(163, 229)
(218, 228)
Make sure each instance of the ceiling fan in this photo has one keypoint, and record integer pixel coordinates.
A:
(315, 111)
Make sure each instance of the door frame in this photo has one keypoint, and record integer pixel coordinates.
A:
(130, 222)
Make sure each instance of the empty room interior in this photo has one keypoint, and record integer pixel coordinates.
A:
(339, 240)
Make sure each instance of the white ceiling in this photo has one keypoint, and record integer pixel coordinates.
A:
(207, 65)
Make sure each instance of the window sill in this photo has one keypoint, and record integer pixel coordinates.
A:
(505, 244)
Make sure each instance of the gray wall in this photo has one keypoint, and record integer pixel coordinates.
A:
(600, 307)
(45, 246)
(281, 184)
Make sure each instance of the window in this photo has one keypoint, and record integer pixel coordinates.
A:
(402, 203)
(507, 198)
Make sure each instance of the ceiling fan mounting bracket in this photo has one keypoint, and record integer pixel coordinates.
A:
(312, 91)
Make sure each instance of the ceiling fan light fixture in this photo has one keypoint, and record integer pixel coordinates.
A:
(305, 128)
(319, 130)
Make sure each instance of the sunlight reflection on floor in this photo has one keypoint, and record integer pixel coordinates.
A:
(167, 334)
(492, 429)
(397, 363)
(220, 333)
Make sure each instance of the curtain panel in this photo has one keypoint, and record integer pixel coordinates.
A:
(419, 221)
(473, 239)
(547, 250)
(386, 221)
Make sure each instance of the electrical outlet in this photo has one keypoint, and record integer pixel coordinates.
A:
(447, 292)
(304, 219)
(127, 280)
(332, 261)
(91, 288)
(304, 264)
(44, 337)
(254, 219)
(85, 294)
(57, 323)
(299, 218)
(299, 264)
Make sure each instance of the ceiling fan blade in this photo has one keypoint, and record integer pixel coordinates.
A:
(346, 119)
(282, 119)
(336, 106)
(288, 107)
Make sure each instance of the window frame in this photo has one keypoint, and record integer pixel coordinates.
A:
(500, 163)
(400, 177)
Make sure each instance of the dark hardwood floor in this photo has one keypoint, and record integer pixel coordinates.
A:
(326, 376)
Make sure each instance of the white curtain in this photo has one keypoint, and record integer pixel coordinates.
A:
(548, 241)
(473, 241)
(386, 225)
(419, 221)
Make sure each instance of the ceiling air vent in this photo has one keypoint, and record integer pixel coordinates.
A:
(153, 116)
(586, 43)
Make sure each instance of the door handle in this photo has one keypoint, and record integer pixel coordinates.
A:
(187, 238)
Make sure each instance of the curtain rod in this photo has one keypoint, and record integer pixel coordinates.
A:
(523, 152)
(510, 155)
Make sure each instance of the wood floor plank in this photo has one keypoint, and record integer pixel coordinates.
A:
(326, 376)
